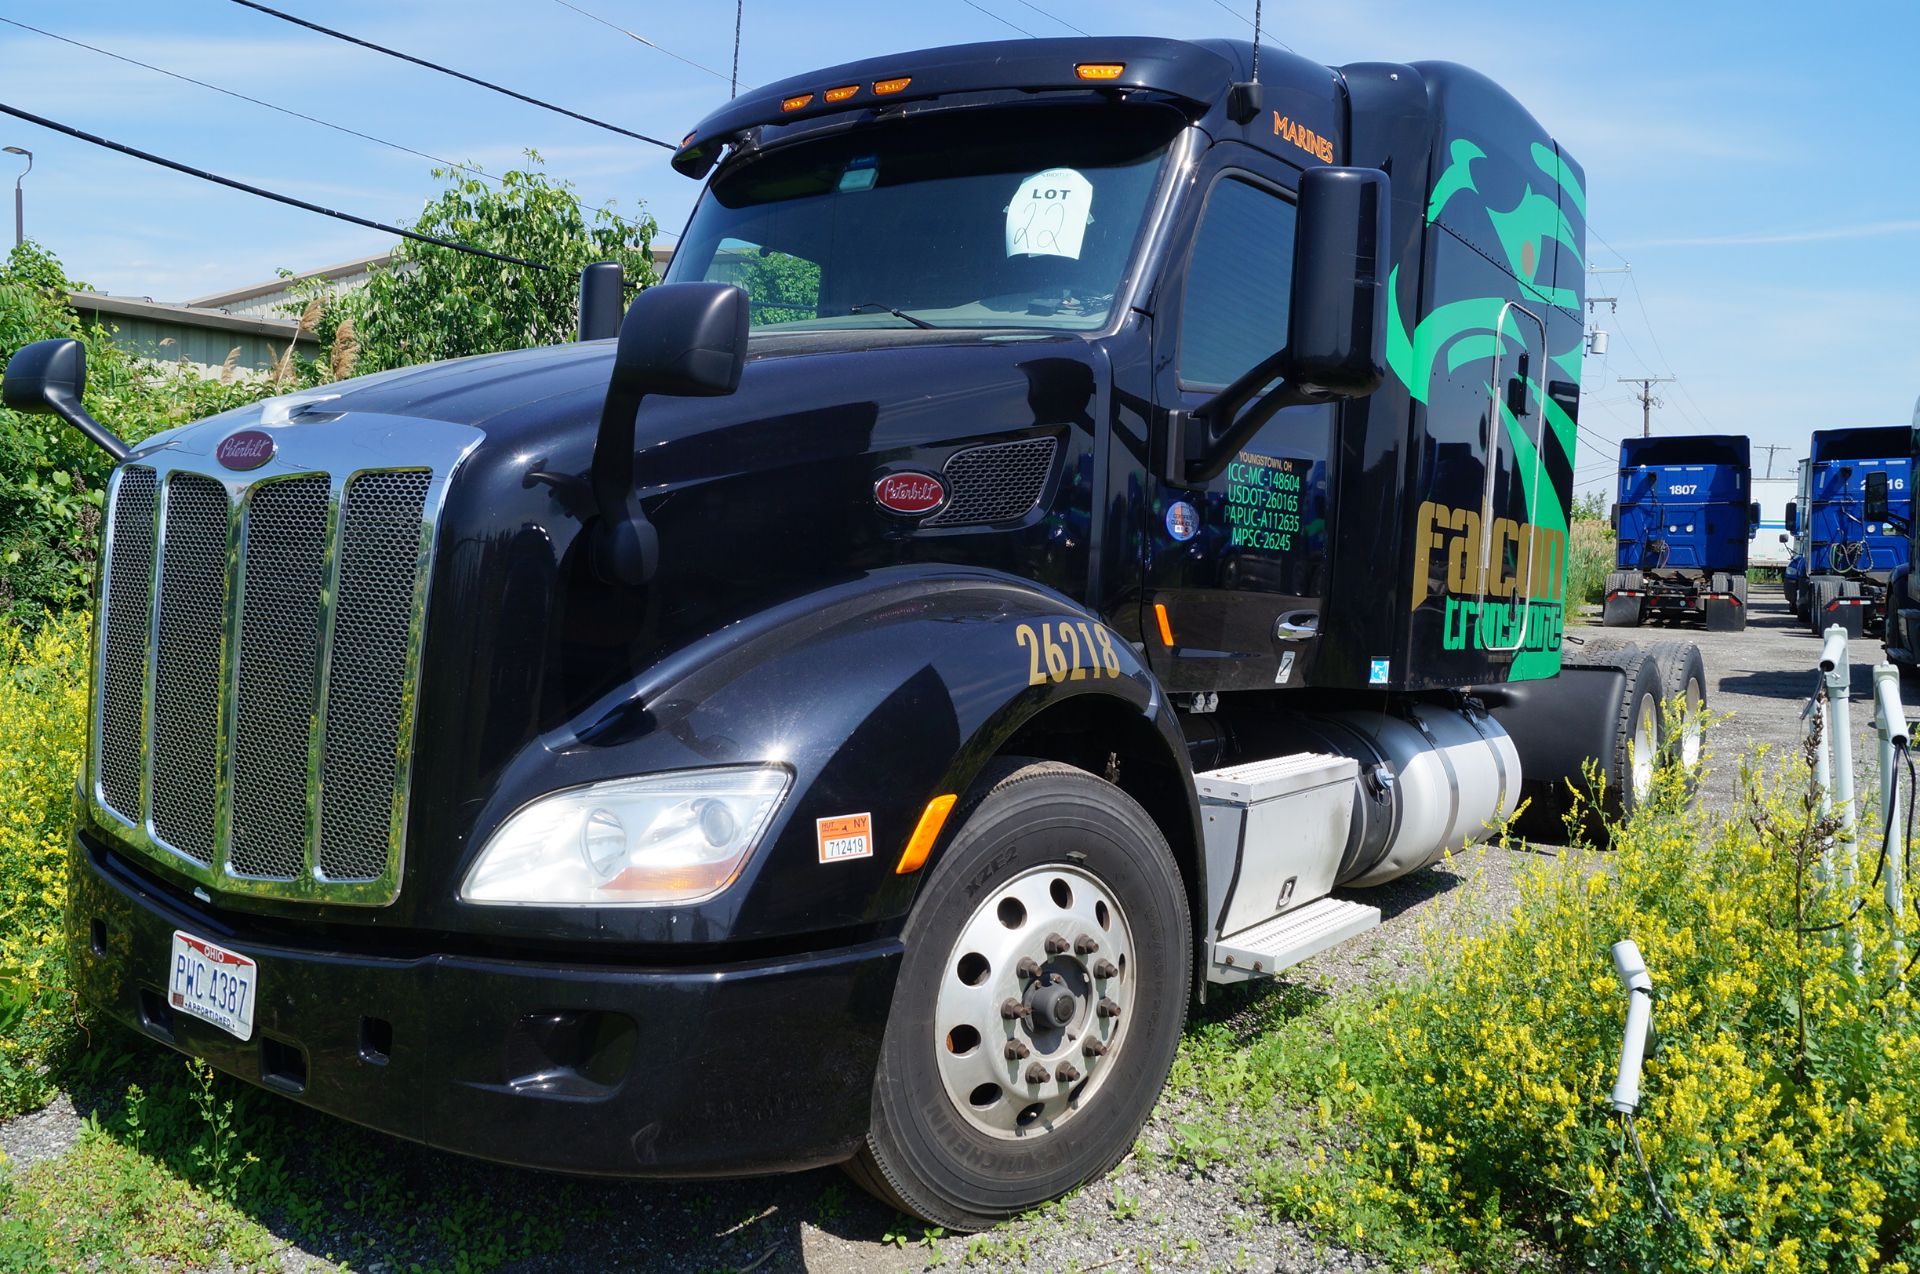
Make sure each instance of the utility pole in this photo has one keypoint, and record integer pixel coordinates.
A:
(1647, 400)
(1770, 449)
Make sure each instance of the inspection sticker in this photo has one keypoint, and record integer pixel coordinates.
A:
(1381, 672)
(848, 836)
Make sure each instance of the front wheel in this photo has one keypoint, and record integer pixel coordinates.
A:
(1047, 968)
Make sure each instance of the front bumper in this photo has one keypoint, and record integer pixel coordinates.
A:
(720, 1070)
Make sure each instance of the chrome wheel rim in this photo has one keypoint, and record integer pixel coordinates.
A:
(1024, 1031)
(1692, 732)
(1643, 748)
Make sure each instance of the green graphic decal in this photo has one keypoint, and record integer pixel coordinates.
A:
(1519, 598)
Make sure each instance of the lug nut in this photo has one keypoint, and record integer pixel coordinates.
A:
(1017, 1049)
(1028, 967)
(1011, 1008)
(1094, 1047)
(1085, 945)
(1107, 1007)
(1056, 945)
(1066, 1074)
(1036, 1073)
(1105, 968)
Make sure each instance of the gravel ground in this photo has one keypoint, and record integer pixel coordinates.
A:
(1141, 1213)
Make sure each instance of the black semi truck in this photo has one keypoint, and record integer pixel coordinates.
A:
(1072, 507)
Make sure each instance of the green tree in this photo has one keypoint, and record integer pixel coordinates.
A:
(434, 303)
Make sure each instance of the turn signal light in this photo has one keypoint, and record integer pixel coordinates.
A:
(842, 93)
(884, 87)
(1166, 625)
(795, 103)
(925, 833)
(1099, 70)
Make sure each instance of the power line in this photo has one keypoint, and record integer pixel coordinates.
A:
(1002, 21)
(461, 166)
(229, 182)
(458, 75)
(1249, 21)
(657, 48)
(1056, 17)
(272, 106)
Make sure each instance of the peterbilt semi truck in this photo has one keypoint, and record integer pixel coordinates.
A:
(1682, 526)
(1073, 513)
(1850, 524)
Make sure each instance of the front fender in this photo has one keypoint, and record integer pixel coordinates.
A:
(879, 694)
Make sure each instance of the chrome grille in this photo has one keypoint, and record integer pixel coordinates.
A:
(996, 483)
(367, 683)
(283, 575)
(123, 642)
(187, 659)
(259, 640)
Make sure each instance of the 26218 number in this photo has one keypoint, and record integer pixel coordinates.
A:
(1067, 650)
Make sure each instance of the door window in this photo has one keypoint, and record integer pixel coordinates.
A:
(1239, 280)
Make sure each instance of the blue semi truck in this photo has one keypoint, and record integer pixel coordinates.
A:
(1682, 525)
(1851, 524)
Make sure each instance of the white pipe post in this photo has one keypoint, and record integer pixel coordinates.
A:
(1892, 723)
(1632, 971)
(1833, 662)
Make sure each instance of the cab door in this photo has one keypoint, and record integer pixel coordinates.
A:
(1514, 487)
(1236, 567)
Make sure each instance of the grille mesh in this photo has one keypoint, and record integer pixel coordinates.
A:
(186, 682)
(380, 535)
(284, 571)
(996, 483)
(123, 645)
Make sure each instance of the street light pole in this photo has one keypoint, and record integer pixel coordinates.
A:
(19, 202)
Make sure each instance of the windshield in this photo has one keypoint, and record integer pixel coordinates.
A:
(963, 218)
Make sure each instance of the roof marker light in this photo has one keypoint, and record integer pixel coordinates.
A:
(842, 93)
(795, 103)
(1099, 70)
(686, 139)
(883, 87)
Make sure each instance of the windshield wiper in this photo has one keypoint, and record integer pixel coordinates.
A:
(899, 314)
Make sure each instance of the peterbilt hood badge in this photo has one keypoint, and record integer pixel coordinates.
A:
(248, 449)
(912, 493)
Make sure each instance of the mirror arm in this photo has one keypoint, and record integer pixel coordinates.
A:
(626, 547)
(1231, 417)
(70, 410)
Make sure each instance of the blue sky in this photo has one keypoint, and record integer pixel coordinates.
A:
(1758, 164)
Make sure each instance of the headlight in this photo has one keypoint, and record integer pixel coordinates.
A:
(654, 840)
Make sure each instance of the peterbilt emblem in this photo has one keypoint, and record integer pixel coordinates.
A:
(248, 449)
(913, 494)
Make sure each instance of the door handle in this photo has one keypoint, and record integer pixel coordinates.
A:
(1296, 625)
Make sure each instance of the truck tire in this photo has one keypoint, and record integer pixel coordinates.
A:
(1797, 601)
(978, 1116)
(1639, 729)
(1683, 687)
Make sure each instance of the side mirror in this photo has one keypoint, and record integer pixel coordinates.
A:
(1793, 516)
(1753, 514)
(1336, 323)
(687, 340)
(1876, 501)
(48, 378)
(602, 288)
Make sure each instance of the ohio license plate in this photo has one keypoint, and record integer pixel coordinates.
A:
(213, 984)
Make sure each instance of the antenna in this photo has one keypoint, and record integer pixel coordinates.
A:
(1244, 100)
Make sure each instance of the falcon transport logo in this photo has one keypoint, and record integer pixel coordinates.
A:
(248, 449)
(912, 494)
